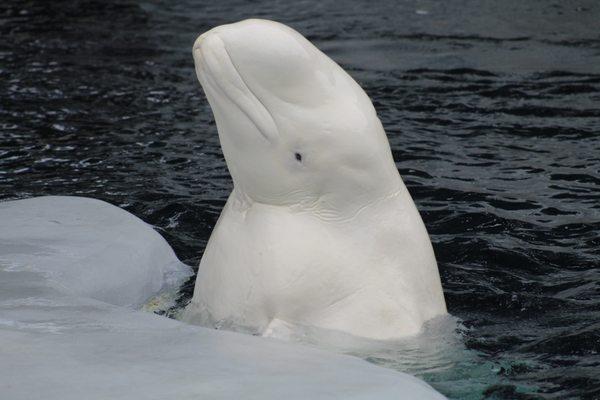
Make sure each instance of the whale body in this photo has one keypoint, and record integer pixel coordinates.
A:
(319, 229)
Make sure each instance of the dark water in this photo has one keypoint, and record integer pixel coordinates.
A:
(493, 114)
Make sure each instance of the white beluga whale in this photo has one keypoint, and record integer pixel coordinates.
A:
(319, 229)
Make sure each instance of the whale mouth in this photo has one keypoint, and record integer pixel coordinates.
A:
(220, 77)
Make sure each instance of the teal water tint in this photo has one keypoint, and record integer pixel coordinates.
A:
(438, 355)
(441, 358)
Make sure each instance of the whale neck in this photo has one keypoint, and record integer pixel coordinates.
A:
(327, 207)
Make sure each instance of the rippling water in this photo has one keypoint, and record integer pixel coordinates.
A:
(493, 114)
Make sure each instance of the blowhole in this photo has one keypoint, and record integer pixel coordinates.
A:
(298, 157)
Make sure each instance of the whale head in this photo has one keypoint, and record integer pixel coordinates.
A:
(295, 128)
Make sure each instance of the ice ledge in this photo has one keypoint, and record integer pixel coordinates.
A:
(87, 247)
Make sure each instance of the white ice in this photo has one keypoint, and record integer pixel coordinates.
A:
(72, 272)
(89, 248)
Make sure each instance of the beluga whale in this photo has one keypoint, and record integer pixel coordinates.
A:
(319, 229)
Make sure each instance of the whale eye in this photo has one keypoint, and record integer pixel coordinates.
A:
(298, 157)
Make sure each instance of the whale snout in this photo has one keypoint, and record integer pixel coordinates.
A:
(206, 43)
(225, 84)
(198, 42)
(205, 39)
(274, 61)
(255, 45)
